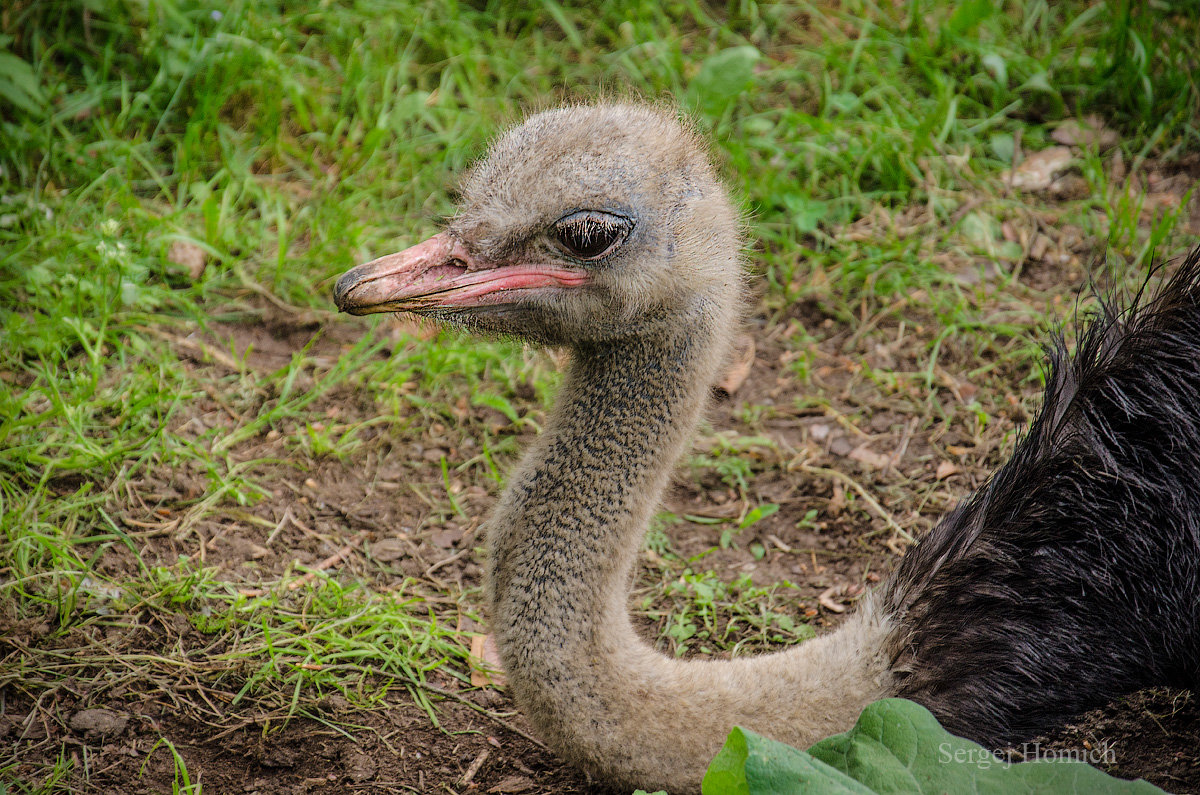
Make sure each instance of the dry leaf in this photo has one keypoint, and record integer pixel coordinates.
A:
(386, 550)
(1038, 170)
(826, 599)
(945, 469)
(188, 256)
(1041, 244)
(419, 327)
(741, 362)
(837, 503)
(1069, 187)
(1117, 169)
(1153, 202)
(486, 668)
(447, 537)
(865, 455)
(99, 722)
(1092, 131)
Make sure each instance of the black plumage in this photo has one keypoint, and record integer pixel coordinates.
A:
(1073, 575)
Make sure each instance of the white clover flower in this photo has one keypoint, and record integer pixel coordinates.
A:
(106, 250)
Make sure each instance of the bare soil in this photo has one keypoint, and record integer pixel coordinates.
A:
(913, 447)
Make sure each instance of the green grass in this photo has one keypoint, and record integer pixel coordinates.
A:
(865, 142)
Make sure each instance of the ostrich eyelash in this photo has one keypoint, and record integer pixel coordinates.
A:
(590, 234)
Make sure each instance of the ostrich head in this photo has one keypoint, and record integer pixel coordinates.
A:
(582, 224)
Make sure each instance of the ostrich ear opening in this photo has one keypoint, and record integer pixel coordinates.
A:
(441, 274)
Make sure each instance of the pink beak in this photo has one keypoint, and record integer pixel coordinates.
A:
(441, 274)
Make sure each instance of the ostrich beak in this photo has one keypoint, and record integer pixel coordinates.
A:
(441, 274)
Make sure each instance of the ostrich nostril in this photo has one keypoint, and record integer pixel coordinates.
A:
(349, 280)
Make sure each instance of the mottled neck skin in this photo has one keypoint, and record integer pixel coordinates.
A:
(563, 542)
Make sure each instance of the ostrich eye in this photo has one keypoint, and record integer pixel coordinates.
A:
(589, 234)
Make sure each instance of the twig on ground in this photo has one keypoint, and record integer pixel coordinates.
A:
(153, 529)
(774, 539)
(474, 768)
(874, 320)
(902, 448)
(204, 348)
(446, 561)
(328, 563)
(854, 484)
(450, 694)
(287, 516)
(308, 531)
(306, 314)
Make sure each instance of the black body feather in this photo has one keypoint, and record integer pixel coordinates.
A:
(1073, 575)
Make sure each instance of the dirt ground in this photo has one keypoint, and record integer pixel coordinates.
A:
(886, 437)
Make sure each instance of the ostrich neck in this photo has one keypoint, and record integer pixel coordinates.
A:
(564, 536)
(563, 541)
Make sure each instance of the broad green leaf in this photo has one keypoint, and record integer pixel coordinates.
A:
(843, 101)
(969, 14)
(497, 402)
(805, 211)
(750, 764)
(1003, 146)
(19, 84)
(897, 746)
(1038, 82)
(996, 64)
(981, 230)
(758, 514)
(722, 77)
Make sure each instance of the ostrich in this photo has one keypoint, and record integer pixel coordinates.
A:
(1071, 577)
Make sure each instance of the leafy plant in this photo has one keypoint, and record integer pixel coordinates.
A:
(19, 82)
(709, 610)
(896, 746)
